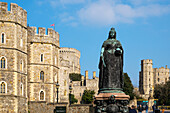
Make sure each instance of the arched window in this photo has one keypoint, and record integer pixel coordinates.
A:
(3, 87)
(42, 57)
(2, 38)
(42, 97)
(41, 75)
(3, 62)
(158, 79)
(65, 93)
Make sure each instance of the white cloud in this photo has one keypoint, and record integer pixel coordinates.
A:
(71, 1)
(108, 12)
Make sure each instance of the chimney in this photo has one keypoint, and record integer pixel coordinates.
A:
(94, 74)
(86, 74)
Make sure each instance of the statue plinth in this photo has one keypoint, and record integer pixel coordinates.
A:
(112, 102)
(111, 98)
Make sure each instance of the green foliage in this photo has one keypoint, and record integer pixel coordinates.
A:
(162, 93)
(88, 96)
(73, 100)
(75, 76)
(128, 87)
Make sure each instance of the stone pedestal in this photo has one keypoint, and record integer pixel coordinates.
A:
(111, 103)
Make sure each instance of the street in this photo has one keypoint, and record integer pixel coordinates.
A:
(168, 111)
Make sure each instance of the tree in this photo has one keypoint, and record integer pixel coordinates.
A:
(88, 96)
(73, 99)
(162, 93)
(75, 76)
(128, 87)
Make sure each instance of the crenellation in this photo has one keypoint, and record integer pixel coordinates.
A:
(41, 31)
(41, 37)
(3, 6)
(16, 14)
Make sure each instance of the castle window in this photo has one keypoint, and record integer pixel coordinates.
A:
(3, 62)
(41, 75)
(65, 83)
(21, 42)
(158, 79)
(21, 89)
(158, 73)
(21, 65)
(42, 97)
(2, 38)
(42, 57)
(3, 87)
(65, 72)
(55, 60)
(65, 93)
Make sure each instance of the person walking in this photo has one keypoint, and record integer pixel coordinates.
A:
(140, 109)
(163, 109)
(133, 110)
(146, 108)
(153, 107)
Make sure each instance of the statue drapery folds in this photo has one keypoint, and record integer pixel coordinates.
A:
(111, 63)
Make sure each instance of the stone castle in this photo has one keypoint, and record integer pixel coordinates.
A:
(149, 76)
(32, 63)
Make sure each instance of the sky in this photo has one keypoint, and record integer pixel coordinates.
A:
(142, 26)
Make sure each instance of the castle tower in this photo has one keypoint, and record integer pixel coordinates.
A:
(43, 69)
(69, 63)
(13, 58)
(146, 78)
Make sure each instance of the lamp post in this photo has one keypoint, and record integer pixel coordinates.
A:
(150, 98)
(70, 88)
(57, 86)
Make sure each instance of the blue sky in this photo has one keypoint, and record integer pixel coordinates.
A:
(142, 27)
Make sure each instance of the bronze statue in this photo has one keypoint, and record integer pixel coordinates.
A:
(111, 98)
(111, 63)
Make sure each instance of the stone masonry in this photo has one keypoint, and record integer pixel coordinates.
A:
(149, 76)
(32, 63)
(13, 48)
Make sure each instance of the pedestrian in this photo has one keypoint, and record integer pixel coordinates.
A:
(163, 109)
(153, 107)
(140, 108)
(133, 110)
(146, 108)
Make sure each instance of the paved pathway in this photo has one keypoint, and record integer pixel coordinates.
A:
(167, 111)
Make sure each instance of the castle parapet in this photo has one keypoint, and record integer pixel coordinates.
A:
(70, 50)
(147, 61)
(41, 37)
(16, 14)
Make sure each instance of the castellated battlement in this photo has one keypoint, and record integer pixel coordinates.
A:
(16, 14)
(39, 35)
(70, 50)
(147, 61)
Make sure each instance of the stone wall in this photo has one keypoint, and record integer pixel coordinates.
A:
(13, 24)
(43, 57)
(81, 108)
(43, 107)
